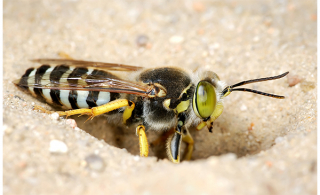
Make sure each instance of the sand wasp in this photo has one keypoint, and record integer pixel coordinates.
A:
(159, 99)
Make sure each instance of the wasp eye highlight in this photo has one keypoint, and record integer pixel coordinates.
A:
(204, 99)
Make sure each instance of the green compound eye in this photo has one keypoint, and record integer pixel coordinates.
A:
(204, 99)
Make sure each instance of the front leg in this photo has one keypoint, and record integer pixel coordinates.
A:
(174, 141)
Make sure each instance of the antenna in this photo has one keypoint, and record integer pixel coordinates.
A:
(231, 88)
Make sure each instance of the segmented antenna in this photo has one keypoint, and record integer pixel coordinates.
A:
(231, 88)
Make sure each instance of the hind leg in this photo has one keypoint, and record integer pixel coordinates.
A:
(95, 111)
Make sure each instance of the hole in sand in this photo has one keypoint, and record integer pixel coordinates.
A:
(231, 134)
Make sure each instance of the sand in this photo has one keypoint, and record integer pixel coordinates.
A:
(259, 145)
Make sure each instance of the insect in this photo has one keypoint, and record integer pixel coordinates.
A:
(159, 99)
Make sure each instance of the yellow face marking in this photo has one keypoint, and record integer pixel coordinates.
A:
(216, 113)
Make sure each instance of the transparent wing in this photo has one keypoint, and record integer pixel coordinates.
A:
(87, 83)
(99, 65)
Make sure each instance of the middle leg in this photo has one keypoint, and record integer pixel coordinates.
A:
(186, 137)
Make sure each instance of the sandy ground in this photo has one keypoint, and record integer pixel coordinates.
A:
(259, 145)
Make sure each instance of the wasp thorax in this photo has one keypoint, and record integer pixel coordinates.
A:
(204, 99)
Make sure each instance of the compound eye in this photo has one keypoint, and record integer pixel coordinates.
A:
(204, 99)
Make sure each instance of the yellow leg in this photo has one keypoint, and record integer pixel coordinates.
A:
(128, 112)
(41, 109)
(143, 141)
(188, 139)
(95, 111)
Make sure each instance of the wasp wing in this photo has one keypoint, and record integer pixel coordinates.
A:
(104, 81)
(99, 65)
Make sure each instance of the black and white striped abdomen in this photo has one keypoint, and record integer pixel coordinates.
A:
(56, 77)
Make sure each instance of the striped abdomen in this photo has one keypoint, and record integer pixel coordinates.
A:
(46, 83)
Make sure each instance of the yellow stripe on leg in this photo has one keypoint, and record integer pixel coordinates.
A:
(189, 140)
(143, 141)
(128, 112)
(84, 111)
(41, 109)
(110, 106)
(95, 111)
